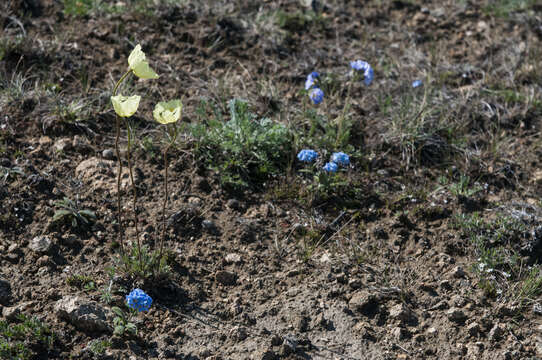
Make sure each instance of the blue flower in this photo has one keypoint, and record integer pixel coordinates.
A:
(138, 300)
(368, 72)
(307, 155)
(340, 158)
(417, 83)
(331, 167)
(311, 80)
(316, 95)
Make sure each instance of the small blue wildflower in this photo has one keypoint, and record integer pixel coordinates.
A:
(417, 83)
(331, 167)
(138, 300)
(340, 158)
(368, 72)
(311, 80)
(307, 155)
(316, 95)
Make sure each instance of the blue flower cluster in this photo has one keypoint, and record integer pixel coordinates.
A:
(338, 158)
(331, 167)
(368, 72)
(138, 300)
(315, 93)
(307, 155)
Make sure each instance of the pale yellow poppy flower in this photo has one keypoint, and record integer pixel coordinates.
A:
(139, 65)
(167, 112)
(125, 106)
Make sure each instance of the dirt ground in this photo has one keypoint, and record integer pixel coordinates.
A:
(428, 250)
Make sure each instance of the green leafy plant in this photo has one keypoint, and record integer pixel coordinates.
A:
(25, 339)
(464, 188)
(123, 322)
(98, 347)
(69, 211)
(10, 173)
(244, 149)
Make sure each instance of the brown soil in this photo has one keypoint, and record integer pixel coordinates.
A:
(379, 270)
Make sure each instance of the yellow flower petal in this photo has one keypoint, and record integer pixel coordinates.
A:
(167, 112)
(125, 106)
(139, 64)
(144, 71)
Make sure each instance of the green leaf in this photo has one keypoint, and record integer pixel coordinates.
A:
(119, 330)
(118, 311)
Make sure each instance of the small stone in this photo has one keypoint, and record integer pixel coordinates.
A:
(5, 291)
(473, 329)
(42, 261)
(400, 333)
(10, 312)
(364, 302)
(84, 314)
(225, 277)
(402, 313)
(354, 284)
(40, 244)
(445, 285)
(458, 272)
(537, 309)
(239, 333)
(456, 315)
(63, 144)
(81, 144)
(458, 301)
(209, 226)
(234, 204)
(233, 258)
(432, 331)
(497, 332)
(108, 154)
(325, 258)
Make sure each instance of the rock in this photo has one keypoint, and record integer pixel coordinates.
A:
(400, 333)
(456, 315)
(83, 314)
(63, 144)
(10, 312)
(40, 244)
(234, 204)
(473, 329)
(233, 258)
(289, 345)
(239, 333)
(226, 278)
(458, 272)
(81, 144)
(210, 227)
(5, 292)
(354, 284)
(458, 301)
(108, 154)
(432, 331)
(101, 175)
(402, 313)
(497, 332)
(365, 303)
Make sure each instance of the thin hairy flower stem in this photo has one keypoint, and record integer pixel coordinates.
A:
(134, 189)
(164, 207)
(173, 138)
(117, 150)
(343, 115)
